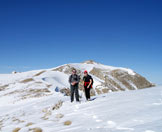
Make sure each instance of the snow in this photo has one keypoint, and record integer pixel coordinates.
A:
(130, 111)
(132, 84)
(56, 78)
(12, 78)
(89, 67)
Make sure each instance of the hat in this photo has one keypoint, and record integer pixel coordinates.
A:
(85, 71)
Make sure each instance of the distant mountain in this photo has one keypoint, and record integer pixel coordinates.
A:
(42, 82)
(108, 78)
(34, 101)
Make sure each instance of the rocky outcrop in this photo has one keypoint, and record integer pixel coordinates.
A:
(67, 69)
(131, 81)
(65, 91)
(112, 79)
(89, 62)
(119, 80)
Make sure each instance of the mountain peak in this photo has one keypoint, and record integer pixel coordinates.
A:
(89, 62)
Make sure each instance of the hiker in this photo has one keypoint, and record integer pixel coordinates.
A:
(88, 82)
(74, 82)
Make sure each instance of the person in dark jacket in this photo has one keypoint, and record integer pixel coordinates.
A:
(87, 81)
(74, 82)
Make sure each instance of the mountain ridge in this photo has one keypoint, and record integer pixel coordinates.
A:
(113, 78)
(38, 100)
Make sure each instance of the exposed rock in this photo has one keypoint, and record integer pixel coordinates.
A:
(3, 87)
(37, 130)
(58, 116)
(98, 73)
(92, 92)
(60, 69)
(47, 112)
(114, 84)
(38, 74)
(105, 90)
(98, 91)
(137, 80)
(16, 130)
(29, 124)
(89, 62)
(14, 72)
(14, 119)
(30, 93)
(65, 91)
(45, 90)
(49, 85)
(58, 105)
(27, 80)
(118, 79)
(67, 69)
(67, 123)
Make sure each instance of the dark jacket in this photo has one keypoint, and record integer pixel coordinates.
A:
(86, 80)
(74, 78)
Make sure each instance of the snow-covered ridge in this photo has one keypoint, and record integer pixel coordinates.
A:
(106, 78)
(89, 65)
(35, 100)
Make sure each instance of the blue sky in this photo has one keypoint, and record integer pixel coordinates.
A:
(37, 34)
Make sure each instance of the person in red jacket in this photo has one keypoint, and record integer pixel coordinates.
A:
(87, 81)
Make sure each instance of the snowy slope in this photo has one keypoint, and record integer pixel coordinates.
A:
(108, 77)
(29, 100)
(131, 111)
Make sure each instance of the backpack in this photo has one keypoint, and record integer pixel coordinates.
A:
(92, 81)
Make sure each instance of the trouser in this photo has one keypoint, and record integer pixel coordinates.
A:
(87, 92)
(74, 89)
